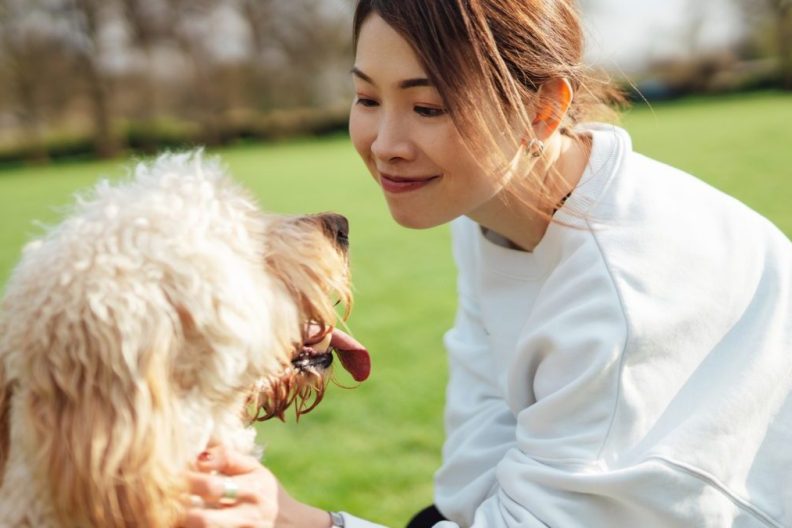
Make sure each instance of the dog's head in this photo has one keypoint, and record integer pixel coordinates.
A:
(295, 261)
(149, 321)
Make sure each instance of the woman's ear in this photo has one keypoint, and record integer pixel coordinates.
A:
(552, 104)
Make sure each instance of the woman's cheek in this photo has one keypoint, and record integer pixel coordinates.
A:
(359, 132)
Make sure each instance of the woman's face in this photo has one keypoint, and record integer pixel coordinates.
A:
(409, 143)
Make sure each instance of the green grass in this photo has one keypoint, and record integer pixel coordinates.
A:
(373, 450)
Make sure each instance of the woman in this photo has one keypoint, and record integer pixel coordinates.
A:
(621, 352)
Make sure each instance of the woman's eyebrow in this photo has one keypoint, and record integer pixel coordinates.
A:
(357, 73)
(412, 83)
(407, 83)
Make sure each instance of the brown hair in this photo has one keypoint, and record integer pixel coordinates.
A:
(485, 55)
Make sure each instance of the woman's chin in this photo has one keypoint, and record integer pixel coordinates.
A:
(414, 220)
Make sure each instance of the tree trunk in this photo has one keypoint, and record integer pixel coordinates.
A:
(783, 10)
(25, 88)
(25, 84)
(106, 144)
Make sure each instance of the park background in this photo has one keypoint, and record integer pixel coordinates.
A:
(87, 85)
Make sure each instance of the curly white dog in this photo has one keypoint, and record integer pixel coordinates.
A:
(164, 313)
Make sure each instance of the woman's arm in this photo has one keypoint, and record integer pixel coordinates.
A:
(479, 426)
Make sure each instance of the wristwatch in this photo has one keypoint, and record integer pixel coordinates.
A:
(337, 519)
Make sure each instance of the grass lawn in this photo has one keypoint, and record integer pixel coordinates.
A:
(373, 450)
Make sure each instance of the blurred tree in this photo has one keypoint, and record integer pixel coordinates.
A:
(145, 71)
(301, 48)
(203, 98)
(86, 18)
(21, 72)
(771, 24)
(146, 21)
(258, 15)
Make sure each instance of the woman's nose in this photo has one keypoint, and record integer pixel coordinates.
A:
(393, 141)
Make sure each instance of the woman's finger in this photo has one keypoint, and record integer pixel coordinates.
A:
(227, 461)
(221, 489)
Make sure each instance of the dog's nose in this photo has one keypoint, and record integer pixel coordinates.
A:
(337, 226)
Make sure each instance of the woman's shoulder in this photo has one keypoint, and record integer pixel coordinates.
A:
(664, 236)
(622, 187)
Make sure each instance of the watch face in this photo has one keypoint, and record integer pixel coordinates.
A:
(337, 520)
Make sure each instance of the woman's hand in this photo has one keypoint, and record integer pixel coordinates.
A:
(238, 492)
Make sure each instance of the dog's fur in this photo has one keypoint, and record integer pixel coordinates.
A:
(140, 329)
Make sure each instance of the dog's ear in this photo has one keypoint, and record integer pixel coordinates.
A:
(102, 414)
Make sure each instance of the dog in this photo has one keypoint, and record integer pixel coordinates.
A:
(165, 313)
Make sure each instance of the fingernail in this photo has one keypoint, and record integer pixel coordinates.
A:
(205, 456)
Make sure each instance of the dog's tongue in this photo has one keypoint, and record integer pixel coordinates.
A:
(354, 356)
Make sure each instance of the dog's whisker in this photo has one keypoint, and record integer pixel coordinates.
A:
(304, 389)
(334, 380)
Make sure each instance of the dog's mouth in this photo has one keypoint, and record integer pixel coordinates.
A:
(317, 354)
(305, 384)
(310, 359)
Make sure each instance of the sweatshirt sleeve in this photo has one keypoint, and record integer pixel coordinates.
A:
(350, 521)
(479, 425)
(561, 387)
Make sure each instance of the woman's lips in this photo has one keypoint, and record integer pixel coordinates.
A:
(398, 184)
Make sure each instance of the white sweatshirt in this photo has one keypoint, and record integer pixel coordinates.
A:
(634, 370)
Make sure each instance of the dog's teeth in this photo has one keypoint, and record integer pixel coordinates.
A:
(309, 359)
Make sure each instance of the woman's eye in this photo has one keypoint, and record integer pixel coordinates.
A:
(364, 101)
(429, 111)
